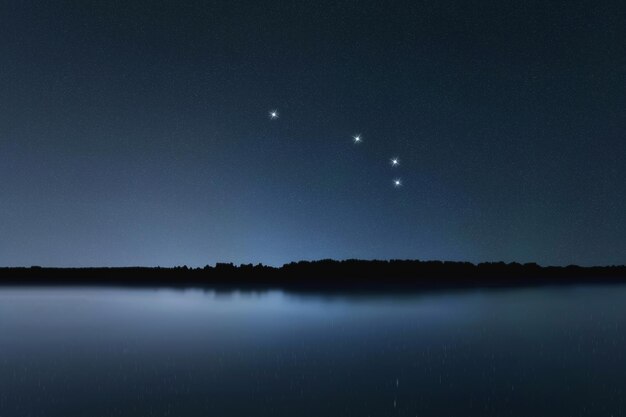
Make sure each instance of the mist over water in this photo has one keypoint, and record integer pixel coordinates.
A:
(158, 352)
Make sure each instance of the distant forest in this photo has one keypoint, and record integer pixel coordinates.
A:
(348, 275)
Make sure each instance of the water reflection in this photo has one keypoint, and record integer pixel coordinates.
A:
(160, 352)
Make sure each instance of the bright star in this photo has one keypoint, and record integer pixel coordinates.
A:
(397, 182)
(395, 162)
(273, 114)
(357, 138)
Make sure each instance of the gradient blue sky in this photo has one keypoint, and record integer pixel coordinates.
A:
(137, 132)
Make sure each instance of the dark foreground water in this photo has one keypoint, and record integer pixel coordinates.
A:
(138, 352)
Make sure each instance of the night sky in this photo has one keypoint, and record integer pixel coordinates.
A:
(138, 132)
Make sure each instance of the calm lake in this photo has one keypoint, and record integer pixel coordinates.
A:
(159, 352)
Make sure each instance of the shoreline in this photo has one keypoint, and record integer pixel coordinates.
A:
(325, 275)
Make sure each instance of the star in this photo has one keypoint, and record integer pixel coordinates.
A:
(273, 114)
(395, 162)
(397, 183)
(357, 138)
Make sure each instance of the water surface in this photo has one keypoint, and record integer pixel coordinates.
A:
(158, 352)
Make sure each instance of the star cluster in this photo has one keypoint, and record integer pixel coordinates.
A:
(356, 139)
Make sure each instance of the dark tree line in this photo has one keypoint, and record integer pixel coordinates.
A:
(350, 275)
